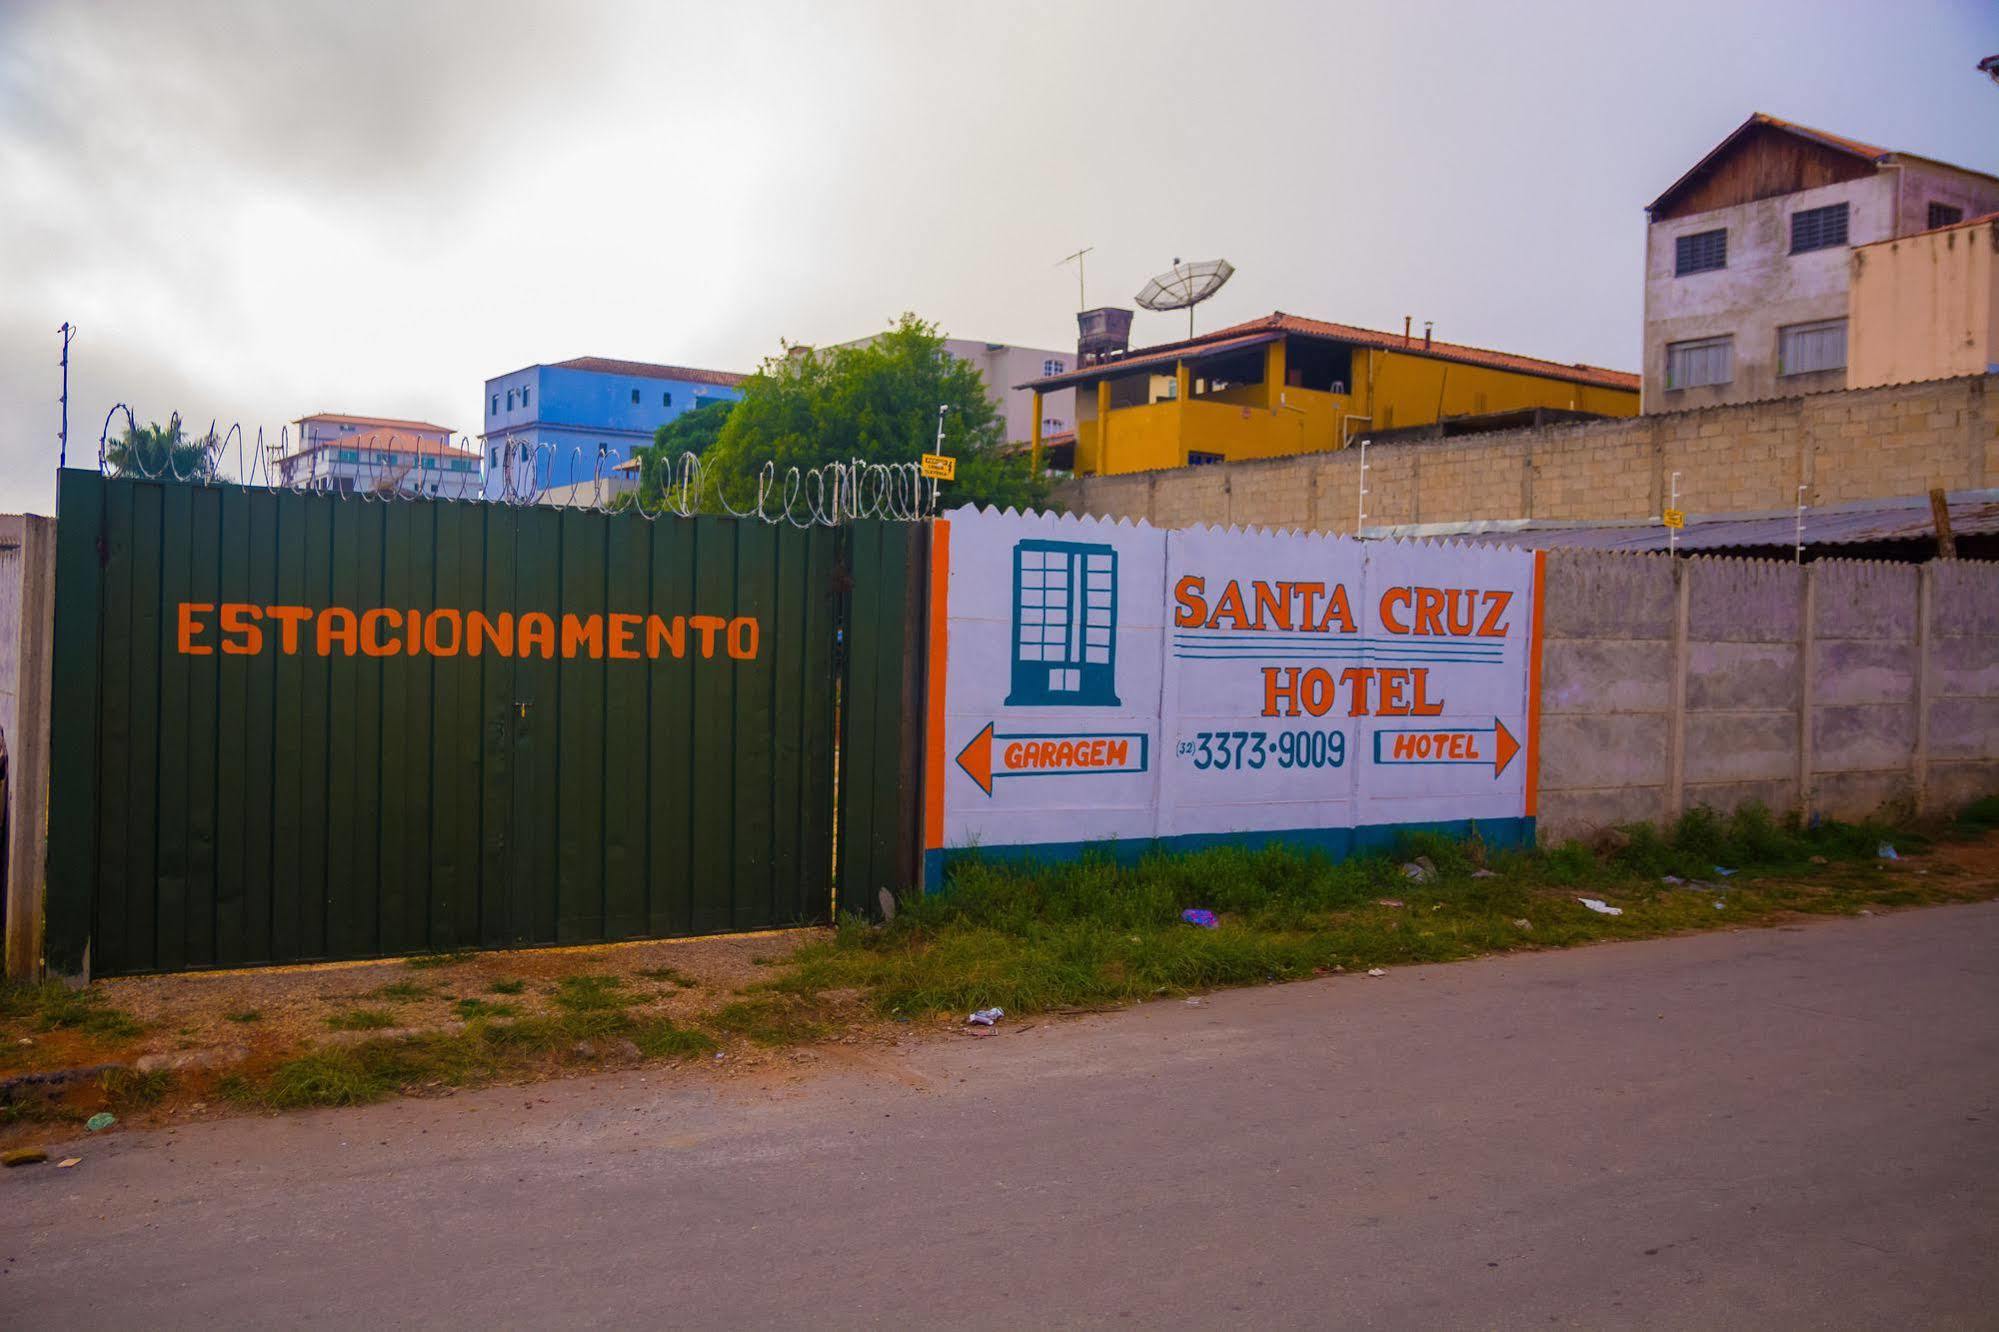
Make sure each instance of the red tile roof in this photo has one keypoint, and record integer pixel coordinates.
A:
(605, 365)
(1273, 326)
(387, 422)
(391, 441)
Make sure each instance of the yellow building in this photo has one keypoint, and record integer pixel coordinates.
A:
(1925, 306)
(1283, 384)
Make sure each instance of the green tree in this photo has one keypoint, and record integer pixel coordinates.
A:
(164, 451)
(691, 432)
(876, 403)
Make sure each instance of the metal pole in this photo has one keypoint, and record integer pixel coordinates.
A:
(942, 408)
(1673, 533)
(68, 332)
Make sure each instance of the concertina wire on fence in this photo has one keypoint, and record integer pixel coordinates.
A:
(823, 496)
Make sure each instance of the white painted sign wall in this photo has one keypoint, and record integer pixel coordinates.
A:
(1112, 682)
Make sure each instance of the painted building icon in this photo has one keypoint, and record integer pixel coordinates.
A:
(1064, 625)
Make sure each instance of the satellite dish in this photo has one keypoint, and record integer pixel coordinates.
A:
(1185, 286)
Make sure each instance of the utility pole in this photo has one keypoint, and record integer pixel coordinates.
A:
(1082, 299)
(68, 332)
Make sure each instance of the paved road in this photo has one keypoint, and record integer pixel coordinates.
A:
(1760, 1129)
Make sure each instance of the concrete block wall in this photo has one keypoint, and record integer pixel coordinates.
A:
(1839, 688)
(1840, 446)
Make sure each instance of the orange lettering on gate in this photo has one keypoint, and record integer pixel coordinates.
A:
(188, 628)
(535, 631)
(240, 620)
(583, 631)
(499, 631)
(623, 630)
(706, 626)
(433, 641)
(371, 639)
(336, 624)
(289, 618)
(668, 635)
(743, 634)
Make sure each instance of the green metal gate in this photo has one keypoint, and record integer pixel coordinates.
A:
(649, 752)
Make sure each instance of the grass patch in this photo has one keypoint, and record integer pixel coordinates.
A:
(431, 961)
(52, 1006)
(787, 1016)
(130, 1089)
(399, 991)
(669, 976)
(488, 1050)
(1093, 931)
(507, 987)
(484, 1008)
(245, 1015)
(587, 994)
(363, 1019)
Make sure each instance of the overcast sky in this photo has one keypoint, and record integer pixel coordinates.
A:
(253, 212)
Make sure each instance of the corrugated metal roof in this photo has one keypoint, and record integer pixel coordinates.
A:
(1972, 513)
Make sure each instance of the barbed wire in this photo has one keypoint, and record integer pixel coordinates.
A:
(517, 473)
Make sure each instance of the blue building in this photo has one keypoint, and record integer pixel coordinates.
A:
(561, 419)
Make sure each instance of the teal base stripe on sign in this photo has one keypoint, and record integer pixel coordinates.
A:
(1335, 843)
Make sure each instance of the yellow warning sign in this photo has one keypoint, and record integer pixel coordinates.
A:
(939, 467)
(1675, 518)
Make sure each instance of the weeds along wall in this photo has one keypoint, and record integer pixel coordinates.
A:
(1836, 688)
(1843, 446)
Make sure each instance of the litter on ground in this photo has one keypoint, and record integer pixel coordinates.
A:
(1724, 873)
(1197, 916)
(1601, 907)
(1483, 874)
(985, 1017)
(21, 1156)
(1376, 971)
(1419, 870)
(1886, 852)
(100, 1121)
(1389, 902)
(69, 1161)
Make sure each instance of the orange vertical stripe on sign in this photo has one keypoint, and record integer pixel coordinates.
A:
(1534, 687)
(933, 684)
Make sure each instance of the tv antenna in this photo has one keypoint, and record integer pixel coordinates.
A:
(1082, 302)
(1185, 286)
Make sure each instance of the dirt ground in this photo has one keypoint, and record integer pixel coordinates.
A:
(202, 1028)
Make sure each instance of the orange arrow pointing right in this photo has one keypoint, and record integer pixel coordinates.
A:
(976, 759)
(1503, 754)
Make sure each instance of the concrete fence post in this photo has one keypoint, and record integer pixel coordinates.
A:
(1925, 682)
(1676, 719)
(1807, 687)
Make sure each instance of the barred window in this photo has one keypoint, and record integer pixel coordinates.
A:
(1700, 252)
(1945, 215)
(1701, 361)
(1804, 348)
(1818, 228)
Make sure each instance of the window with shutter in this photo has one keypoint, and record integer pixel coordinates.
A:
(1699, 362)
(1701, 252)
(1805, 348)
(1818, 228)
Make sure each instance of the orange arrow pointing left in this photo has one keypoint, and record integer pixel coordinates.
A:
(977, 759)
(1506, 749)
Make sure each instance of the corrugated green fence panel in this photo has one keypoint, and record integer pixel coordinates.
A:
(301, 727)
(880, 781)
(73, 733)
(628, 561)
(670, 729)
